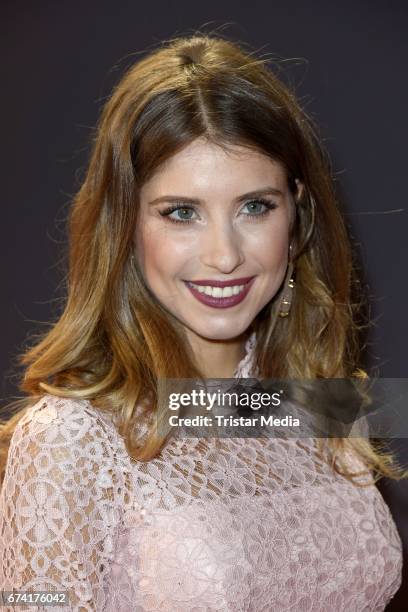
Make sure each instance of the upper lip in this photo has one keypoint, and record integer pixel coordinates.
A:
(226, 283)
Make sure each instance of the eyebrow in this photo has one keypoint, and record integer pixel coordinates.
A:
(245, 196)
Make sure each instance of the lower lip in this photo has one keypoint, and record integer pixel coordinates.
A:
(226, 302)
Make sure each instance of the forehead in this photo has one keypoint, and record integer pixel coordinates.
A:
(206, 166)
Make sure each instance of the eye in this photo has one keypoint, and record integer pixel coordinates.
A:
(180, 213)
(259, 207)
(183, 214)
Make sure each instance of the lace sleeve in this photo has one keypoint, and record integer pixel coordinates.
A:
(59, 506)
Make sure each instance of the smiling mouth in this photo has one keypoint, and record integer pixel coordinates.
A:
(221, 296)
(218, 292)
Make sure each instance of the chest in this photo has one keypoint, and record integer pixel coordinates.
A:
(237, 535)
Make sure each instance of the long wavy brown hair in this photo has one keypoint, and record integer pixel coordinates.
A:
(114, 340)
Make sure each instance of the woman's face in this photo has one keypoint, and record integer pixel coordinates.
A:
(214, 218)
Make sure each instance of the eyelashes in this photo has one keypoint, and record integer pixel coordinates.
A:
(268, 207)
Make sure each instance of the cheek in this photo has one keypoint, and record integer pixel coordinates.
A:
(159, 253)
(271, 249)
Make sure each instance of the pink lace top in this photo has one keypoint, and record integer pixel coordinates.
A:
(213, 524)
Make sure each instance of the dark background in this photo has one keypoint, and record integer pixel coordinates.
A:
(347, 61)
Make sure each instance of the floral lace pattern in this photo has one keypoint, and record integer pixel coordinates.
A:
(246, 367)
(251, 524)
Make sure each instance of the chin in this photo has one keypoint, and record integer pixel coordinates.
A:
(220, 334)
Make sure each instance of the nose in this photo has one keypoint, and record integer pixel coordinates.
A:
(222, 248)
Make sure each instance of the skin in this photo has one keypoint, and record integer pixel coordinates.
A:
(225, 239)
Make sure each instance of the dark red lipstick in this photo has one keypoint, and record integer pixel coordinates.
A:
(219, 283)
(221, 302)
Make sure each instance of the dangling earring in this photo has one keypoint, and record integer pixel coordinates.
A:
(287, 295)
(286, 300)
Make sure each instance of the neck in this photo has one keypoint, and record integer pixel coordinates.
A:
(218, 358)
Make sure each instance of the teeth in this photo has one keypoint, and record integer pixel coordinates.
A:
(219, 292)
(226, 292)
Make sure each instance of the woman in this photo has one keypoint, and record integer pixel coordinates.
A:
(205, 241)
